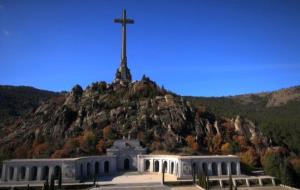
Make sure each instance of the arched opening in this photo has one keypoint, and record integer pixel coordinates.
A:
(106, 167)
(81, 170)
(224, 168)
(11, 173)
(22, 173)
(214, 168)
(172, 167)
(97, 171)
(88, 170)
(156, 166)
(233, 168)
(57, 172)
(45, 173)
(147, 165)
(194, 169)
(126, 164)
(165, 166)
(0, 171)
(205, 168)
(33, 173)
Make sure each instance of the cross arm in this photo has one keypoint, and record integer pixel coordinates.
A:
(127, 21)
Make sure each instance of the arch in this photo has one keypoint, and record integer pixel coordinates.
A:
(194, 169)
(205, 168)
(97, 171)
(147, 165)
(88, 169)
(22, 173)
(165, 166)
(57, 172)
(172, 167)
(233, 168)
(224, 168)
(156, 166)
(33, 173)
(81, 170)
(214, 168)
(11, 173)
(45, 173)
(106, 167)
(126, 164)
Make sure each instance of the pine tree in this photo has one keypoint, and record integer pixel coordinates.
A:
(46, 185)
(230, 182)
(52, 182)
(59, 180)
(163, 174)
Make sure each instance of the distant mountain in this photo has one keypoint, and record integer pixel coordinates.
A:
(276, 113)
(17, 101)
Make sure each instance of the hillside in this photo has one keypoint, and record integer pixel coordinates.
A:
(276, 113)
(262, 129)
(85, 122)
(17, 101)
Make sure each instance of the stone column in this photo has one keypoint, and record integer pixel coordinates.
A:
(139, 163)
(247, 182)
(151, 165)
(39, 173)
(228, 168)
(27, 173)
(51, 171)
(15, 177)
(160, 165)
(209, 168)
(238, 168)
(179, 171)
(260, 182)
(219, 169)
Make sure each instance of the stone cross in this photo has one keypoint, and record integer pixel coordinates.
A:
(124, 20)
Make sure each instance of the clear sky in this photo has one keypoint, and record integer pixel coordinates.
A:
(192, 47)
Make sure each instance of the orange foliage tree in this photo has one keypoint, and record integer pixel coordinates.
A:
(190, 139)
(226, 148)
(249, 157)
(101, 146)
(107, 132)
(87, 141)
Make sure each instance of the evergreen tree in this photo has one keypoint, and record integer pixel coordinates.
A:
(163, 174)
(52, 185)
(60, 180)
(46, 185)
(230, 182)
(207, 182)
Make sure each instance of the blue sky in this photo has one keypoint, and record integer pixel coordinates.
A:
(192, 47)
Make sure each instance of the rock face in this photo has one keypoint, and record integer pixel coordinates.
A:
(140, 110)
(246, 128)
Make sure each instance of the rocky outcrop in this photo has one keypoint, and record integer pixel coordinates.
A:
(135, 109)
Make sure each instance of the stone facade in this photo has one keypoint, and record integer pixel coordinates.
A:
(182, 166)
(123, 155)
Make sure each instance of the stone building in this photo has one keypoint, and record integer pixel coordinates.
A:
(123, 155)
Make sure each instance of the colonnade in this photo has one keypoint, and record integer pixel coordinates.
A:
(29, 173)
(183, 166)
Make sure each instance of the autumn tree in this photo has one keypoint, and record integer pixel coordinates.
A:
(250, 157)
(101, 146)
(108, 132)
(226, 148)
(190, 139)
(87, 141)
